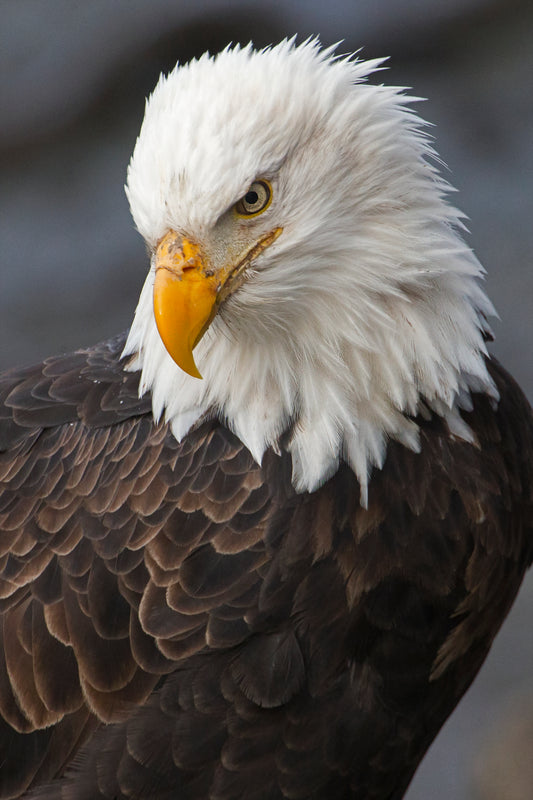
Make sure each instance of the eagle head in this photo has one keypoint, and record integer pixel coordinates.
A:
(308, 282)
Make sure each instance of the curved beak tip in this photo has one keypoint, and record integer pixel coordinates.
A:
(183, 299)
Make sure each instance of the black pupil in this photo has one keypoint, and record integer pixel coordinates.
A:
(251, 198)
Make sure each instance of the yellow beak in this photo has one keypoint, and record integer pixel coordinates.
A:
(187, 293)
(184, 298)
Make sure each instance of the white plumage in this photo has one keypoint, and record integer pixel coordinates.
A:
(364, 311)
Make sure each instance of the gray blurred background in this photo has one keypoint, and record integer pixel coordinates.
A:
(73, 77)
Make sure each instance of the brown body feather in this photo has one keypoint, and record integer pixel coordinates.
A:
(177, 622)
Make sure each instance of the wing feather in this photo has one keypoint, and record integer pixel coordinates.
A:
(183, 621)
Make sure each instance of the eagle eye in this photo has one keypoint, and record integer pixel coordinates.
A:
(256, 200)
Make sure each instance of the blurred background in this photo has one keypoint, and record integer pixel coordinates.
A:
(73, 77)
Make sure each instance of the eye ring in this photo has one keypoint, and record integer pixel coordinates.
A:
(256, 200)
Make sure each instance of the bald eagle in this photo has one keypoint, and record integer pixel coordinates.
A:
(259, 547)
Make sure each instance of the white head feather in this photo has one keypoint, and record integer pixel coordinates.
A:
(365, 310)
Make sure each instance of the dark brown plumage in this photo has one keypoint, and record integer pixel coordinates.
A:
(179, 623)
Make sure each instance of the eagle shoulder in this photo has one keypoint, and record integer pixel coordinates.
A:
(183, 594)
